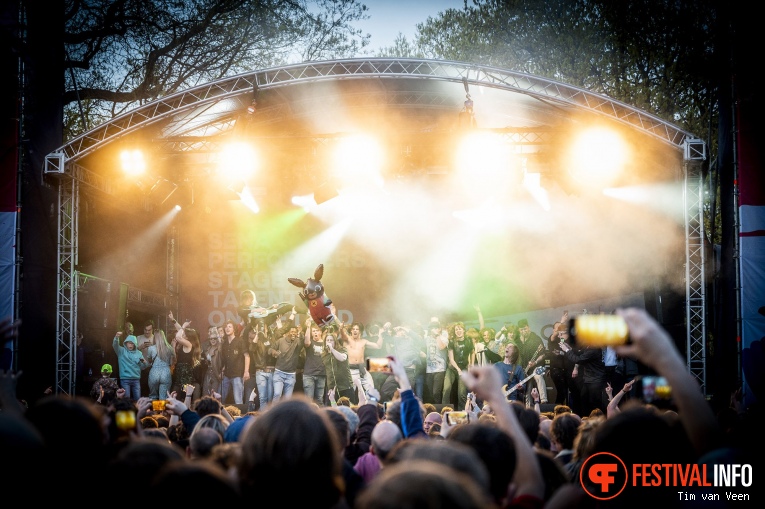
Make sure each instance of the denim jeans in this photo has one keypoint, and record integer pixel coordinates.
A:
(419, 384)
(250, 384)
(284, 384)
(265, 382)
(237, 384)
(313, 387)
(132, 387)
(452, 377)
(434, 387)
(367, 382)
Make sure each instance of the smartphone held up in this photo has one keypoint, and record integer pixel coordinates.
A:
(598, 330)
(125, 420)
(378, 365)
(457, 417)
(655, 389)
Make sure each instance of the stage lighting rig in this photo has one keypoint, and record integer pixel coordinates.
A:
(466, 115)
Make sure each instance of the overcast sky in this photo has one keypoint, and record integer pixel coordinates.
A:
(389, 17)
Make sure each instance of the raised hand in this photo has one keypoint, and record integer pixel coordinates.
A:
(485, 382)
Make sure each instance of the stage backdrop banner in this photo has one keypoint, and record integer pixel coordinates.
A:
(8, 213)
(751, 212)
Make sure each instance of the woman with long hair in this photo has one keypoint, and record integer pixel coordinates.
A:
(162, 358)
(189, 352)
(461, 354)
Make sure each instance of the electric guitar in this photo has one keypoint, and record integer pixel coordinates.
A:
(536, 354)
(268, 315)
(541, 370)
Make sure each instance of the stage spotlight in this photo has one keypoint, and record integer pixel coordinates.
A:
(237, 161)
(325, 192)
(596, 158)
(357, 160)
(482, 155)
(306, 202)
(132, 162)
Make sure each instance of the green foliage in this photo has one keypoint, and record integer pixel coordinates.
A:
(401, 48)
(124, 53)
(652, 54)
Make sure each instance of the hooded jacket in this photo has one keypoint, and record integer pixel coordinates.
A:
(129, 361)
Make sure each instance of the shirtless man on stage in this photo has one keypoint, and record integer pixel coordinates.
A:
(356, 353)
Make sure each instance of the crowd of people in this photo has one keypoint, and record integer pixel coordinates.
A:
(352, 438)
(268, 353)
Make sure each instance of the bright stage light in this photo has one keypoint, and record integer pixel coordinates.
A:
(597, 157)
(305, 201)
(237, 162)
(482, 154)
(484, 166)
(358, 160)
(132, 162)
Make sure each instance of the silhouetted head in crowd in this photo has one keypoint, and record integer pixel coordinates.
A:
(207, 405)
(447, 453)
(292, 450)
(528, 418)
(185, 482)
(496, 450)
(422, 483)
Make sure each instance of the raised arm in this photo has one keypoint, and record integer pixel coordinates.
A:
(411, 416)
(613, 401)
(652, 345)
(177, 325)
(308, 332)
(180, 339)
(481, 323)
(486, 382)
(376, 344)
(343, 332)
(340, 356)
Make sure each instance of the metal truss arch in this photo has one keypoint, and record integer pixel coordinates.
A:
(234, 91)
(240, 86)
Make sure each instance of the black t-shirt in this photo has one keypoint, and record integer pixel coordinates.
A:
(461, 351)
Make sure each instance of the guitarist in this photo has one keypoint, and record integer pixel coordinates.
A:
(532, 350)
(512, 373)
